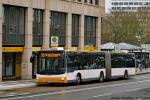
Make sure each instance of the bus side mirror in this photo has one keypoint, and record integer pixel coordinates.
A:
(32, 57)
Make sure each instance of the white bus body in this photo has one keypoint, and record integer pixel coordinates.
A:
(82, 66)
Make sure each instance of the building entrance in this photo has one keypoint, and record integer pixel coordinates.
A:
(11, 66)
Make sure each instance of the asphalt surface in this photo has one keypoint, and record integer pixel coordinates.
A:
(135, 88)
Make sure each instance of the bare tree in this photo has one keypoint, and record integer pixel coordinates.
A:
(121, 27)
(143, 15)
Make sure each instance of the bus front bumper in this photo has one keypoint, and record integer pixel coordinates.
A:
(42, 80)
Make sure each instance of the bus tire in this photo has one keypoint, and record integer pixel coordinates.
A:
(101, 77)
(78, 79)
(126, 75)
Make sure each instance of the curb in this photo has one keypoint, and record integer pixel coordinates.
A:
(9, 87)
(138, 73)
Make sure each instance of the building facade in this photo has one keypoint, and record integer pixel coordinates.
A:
(129, 5)
(28, 25)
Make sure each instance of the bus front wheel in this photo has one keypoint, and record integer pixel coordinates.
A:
(78, 79)
(101, 77)
(126, 75)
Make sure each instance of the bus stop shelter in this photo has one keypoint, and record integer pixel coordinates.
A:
(110, 46)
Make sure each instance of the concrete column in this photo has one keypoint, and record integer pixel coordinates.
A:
(98, 33)
(46, 30)
(68, 31)
(26, 65)
(81, 33)
(1, 40)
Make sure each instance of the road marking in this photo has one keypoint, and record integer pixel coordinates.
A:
(102, 95)
(97, 96)
(133, 89)
(75, 90)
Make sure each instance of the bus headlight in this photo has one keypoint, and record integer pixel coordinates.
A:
(37, 78)
(63, 78)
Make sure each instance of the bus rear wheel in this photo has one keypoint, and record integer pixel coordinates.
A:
(101, 77)
(78, 79)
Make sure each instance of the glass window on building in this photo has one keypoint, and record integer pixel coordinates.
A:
(91, 1)
(115, 3)
(37, 27)
(96, 2)
(13, 25)
(125, 3)
(58, 26)
(79, 0)
(118, 8)
(135, 3)
(120, 3)
(85, 1)
(146, 3)
(123, 8)
(75, 30)
(133, 8)
(141, 3)
(90, 31)
(128, 8)
(139, 8)
(130, 3)
(113, 8)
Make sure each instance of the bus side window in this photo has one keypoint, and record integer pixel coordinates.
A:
(90, 62)
(76, 63)
(117, 61)
(85, 64)
(129, 61)
(70, 64)
(94, 63)
(101, 62)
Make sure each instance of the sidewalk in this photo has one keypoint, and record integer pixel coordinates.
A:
(8, 85)
(144, 71)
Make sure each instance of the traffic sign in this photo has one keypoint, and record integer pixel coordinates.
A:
(54, 40)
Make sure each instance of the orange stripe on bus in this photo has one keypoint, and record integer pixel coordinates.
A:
(51, 80)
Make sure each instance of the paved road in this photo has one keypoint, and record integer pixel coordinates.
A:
(136, 88)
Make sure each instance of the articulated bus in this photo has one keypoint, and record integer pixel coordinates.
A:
(60, 66)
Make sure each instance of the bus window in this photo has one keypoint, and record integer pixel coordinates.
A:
(51, 65)
(76, 63)
(42, 64)
(85, 61)
(93, 62)
(117, 61)
(100, 61)
(129, 61)
(80, 62)
(70, 63)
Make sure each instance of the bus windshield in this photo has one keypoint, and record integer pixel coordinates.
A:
(51, 64)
